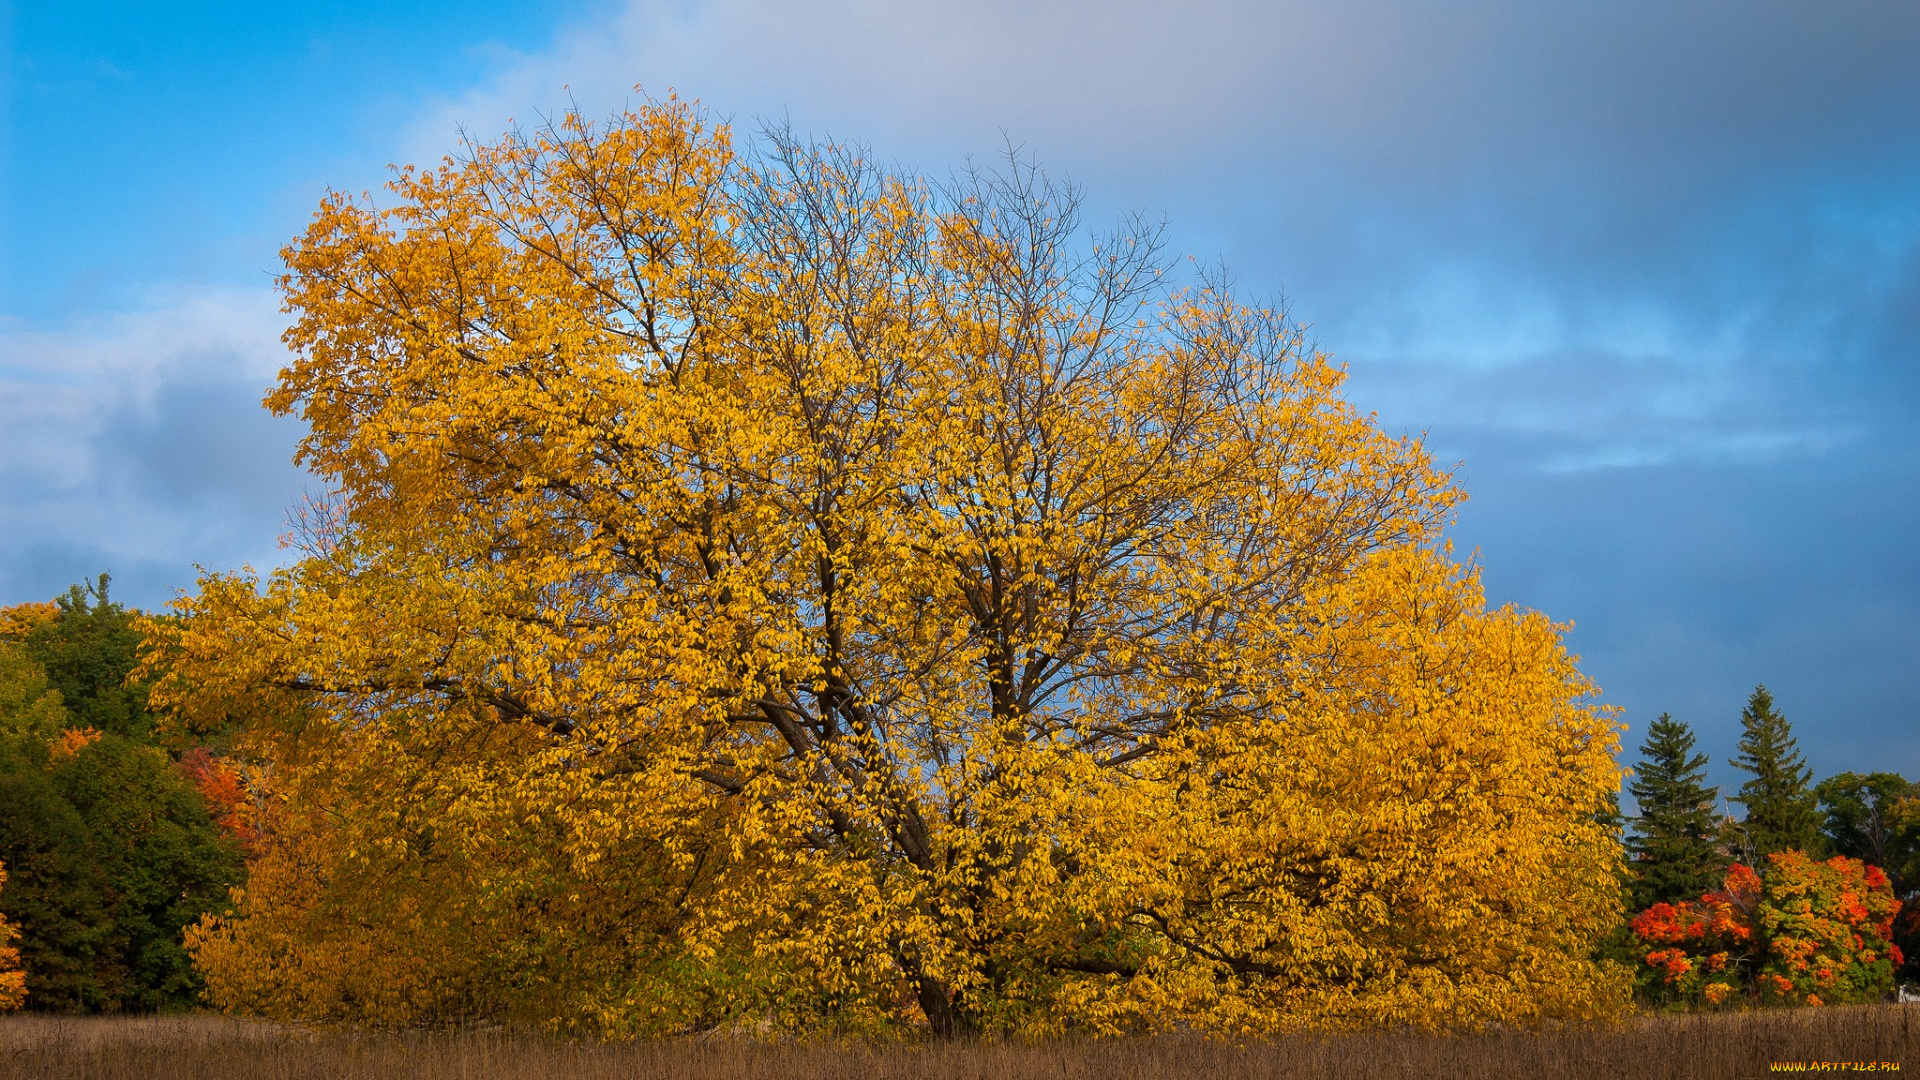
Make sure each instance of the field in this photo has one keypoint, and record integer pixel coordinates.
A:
(212, 1048)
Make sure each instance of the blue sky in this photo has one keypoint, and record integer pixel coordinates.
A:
(1649, 273)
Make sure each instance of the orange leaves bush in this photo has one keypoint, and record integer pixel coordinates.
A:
(229, 800)
(13, 981)
(72, 741)
(1808, 932)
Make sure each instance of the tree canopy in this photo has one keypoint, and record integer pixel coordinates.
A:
(760, 585)
(1872, 817)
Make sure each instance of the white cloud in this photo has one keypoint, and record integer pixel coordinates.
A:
(1460, 197)
(136, 443)
(59, 387)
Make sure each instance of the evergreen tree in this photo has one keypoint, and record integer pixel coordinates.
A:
(1674, 850)
(1783, 813)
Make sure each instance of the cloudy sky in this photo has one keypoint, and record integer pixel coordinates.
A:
(1647, 273)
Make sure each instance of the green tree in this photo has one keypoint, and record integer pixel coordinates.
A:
(1858, 819)
(163, 862)
(1783, 813)
(1674, 846)
(109, 848)
(29, 706)
(56, 894)
(88, 650)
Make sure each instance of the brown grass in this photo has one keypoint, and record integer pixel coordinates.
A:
(212, 1048)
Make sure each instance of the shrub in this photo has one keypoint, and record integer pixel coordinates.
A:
(1807, 932)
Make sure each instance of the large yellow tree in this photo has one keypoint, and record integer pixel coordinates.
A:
(763, 588)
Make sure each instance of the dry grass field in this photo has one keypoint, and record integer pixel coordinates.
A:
(212, 1048)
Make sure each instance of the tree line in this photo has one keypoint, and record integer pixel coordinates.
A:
(117, 840)
(110, 850)
(1795, 898)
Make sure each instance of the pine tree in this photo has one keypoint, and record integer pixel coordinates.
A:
(1673, 848)
(1783, 813)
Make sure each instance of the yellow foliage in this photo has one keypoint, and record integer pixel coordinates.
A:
(29, 705)
(13, 981)
(19, 620)
(299, 949)
(761, 586)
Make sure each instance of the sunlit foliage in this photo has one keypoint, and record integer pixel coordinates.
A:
(763, 589)
(1809, 932)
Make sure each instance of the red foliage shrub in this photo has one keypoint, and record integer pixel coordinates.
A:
(1807, 932)
(228, 798)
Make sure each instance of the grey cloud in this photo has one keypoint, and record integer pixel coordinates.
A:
(42, 571)
(1581, 409)
(137, 446)
(202, 443)
(1688, 584)
(1393, 80)
(1418, 100)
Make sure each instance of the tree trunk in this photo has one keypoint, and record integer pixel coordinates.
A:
(936, 1001)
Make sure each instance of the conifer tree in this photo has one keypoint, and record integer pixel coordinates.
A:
(88, 650)
(1673, 848)
(1783, 813)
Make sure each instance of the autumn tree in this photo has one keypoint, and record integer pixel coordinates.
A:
(1782, 812)
(763, 585)
(1674, 849)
